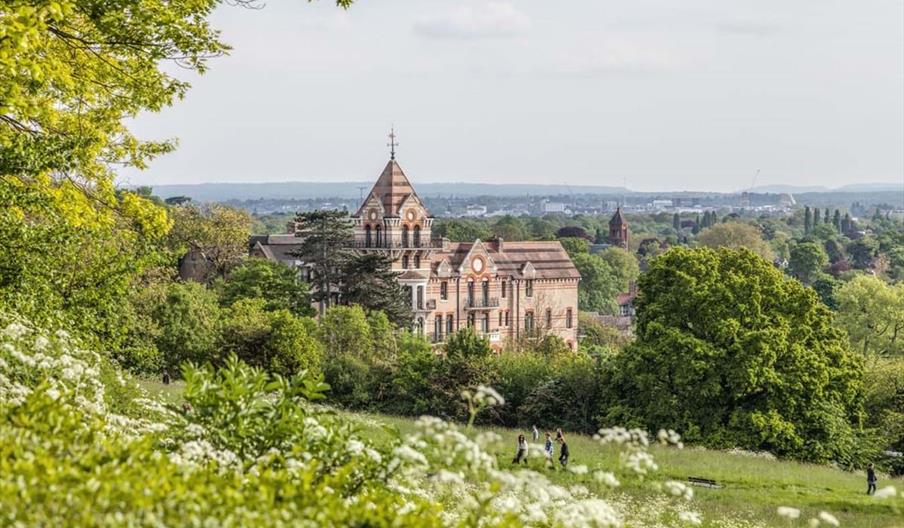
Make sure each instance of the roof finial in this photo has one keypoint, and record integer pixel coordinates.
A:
(392, 143)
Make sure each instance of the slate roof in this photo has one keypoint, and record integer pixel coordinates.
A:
(275, 247)
(392, 189)
(549, 259)
(618, 219)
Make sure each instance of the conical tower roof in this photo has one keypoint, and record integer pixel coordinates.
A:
(618, 219)
(392, 189)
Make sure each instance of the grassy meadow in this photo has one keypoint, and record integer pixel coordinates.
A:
(753, 486)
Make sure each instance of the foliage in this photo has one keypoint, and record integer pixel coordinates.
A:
(624, 265)
(807, 260)
(734, 354)
(219, 231)
(368, 281)
(575, 246)
(872, 313)
(736, 235)
(65, 257)
(884, 402)
(599, 285)
(325, 237)
(277, 341)
(187, 321)
(278, 285)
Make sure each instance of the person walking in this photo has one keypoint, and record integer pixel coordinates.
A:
(536, 434)
(547, 448)
(563, 452)
(559, 434)
(871, 479)
(521, 454)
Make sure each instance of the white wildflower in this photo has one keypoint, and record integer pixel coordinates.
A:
(690, 517)
(15, 330)
(578, 470)
(606, 478)
(788, 512)
(828, 518)
(679, 489)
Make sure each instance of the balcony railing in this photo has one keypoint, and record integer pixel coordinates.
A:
(482, 303)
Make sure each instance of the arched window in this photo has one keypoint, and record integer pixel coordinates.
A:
(548, 318)
(438, 328)
(405, 262)
(485, 323)
(450, 324)
(404, 236)
(417, 262)
(379, 236)
(485, 290)
(366, 236)
(529, 322)
(568, 318)
(417, 236)
(420, 297)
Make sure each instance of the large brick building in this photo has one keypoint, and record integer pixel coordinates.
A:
(504, 289)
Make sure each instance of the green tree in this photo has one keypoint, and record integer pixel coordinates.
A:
(623, 264)
(862, 251)
(278, 285)
(872, 313)
(735, 235)
(599, 285)
(807, 261)
(325, 239)
(575, 246)
(732, 353)
(836, 220)
(220, 231)
(189, 321)
(808, 219)
(277, 341)
(509, 228)
(368, 280)
(676, 222)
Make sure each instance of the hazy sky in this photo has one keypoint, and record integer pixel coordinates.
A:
(658, 94)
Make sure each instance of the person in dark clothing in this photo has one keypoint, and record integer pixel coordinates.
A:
(166, 377)
(870, 480)
(521, 454)
(563, 451)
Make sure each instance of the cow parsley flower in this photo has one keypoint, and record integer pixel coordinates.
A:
(788, 512)
(828, 518)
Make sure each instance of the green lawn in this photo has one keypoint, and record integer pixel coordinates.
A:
(752, 487)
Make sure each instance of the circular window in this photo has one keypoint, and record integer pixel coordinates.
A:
(410, 215)
(373, 215)
(477, 265)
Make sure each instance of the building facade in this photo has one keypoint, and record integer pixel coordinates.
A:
(504, 290)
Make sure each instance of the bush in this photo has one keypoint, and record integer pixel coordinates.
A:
(188, 323)
(277, 284)
(277, 341)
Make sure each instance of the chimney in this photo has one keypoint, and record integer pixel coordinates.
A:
(498, 244)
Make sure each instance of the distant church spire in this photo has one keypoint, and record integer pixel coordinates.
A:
(392, 143)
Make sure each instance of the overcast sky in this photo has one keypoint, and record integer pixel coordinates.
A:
(657, 94)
